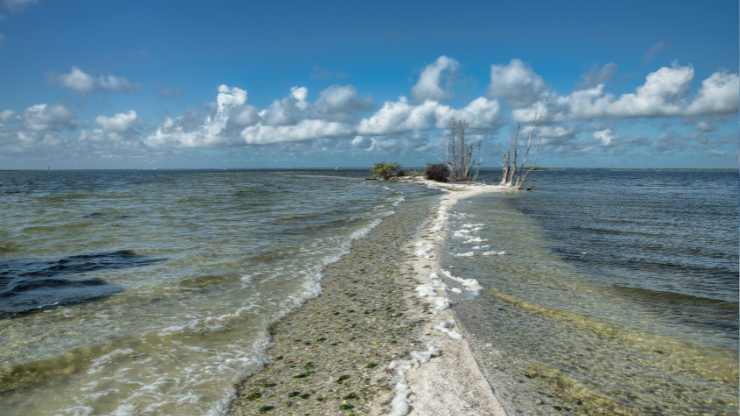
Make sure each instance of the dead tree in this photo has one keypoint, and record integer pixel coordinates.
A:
(514, 172)
(459, 154)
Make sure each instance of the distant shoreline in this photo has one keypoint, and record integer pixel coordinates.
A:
(364, 169)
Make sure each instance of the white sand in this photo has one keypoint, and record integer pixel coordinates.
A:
(443, 378)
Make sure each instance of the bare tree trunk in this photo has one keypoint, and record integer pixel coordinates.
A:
(460, 154)
(515, 173)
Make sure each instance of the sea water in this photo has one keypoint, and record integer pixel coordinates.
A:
(147, 292)
(605, 291)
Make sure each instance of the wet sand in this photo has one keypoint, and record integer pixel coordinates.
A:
(380, 339)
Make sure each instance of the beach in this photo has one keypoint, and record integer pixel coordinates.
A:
(380, 338)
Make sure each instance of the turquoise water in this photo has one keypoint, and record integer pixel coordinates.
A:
(151, 292)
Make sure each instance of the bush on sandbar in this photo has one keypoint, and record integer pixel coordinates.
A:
(387, 171)
(438, 172)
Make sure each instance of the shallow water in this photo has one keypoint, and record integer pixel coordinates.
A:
(142, 293)
(608, 292)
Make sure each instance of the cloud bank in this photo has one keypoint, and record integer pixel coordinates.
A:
(585, 119)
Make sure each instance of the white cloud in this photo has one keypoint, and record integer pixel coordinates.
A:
(5, 115)
(480, 113)
(288, 110)
(402, 116)
(548, 132)
(663, 94)
(230, 104)
(303, 130)
(341, 102)
(517, 83)
(40, 124)
(118, 122)
(77, 80)
(718, 95)
(300, 94)
(606, 136)
(657, 96)
(430, 84)
(82, 82)
(43, 117)
(339, 117)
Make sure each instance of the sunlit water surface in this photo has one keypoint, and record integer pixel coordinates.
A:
(151, 292)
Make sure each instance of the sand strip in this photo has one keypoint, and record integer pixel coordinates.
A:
(380, 338)
(442, 378)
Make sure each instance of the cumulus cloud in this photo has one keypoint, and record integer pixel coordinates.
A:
(339, 117)
(434, 81)
(338, 112)
(402, 116)
(39, 124)
(605, 136)
(82, 82)
(663, 94)
(548, 132)
(288, 110)
(118, 122)
(517, 83)
(44, 117)
(341, 101)
(718, 95)
(180, 131)
(303, 130)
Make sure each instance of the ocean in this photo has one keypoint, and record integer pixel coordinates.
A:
(152, 292)
(605, 289)
(146, 292)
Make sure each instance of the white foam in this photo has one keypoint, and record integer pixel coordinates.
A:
(475, 239)
(466, 254)
(400, 403)
(424, 249)
(447, 327)
(398, 200)
(494, 253)
(470, 285)
(104, 359)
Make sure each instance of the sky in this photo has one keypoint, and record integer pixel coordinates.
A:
(299, 84)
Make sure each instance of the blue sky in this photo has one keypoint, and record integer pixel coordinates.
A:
(90, 84)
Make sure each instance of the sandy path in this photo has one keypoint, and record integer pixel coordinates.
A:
(443, 378)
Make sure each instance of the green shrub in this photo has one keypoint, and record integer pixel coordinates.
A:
(387, 170)
(438, 172)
